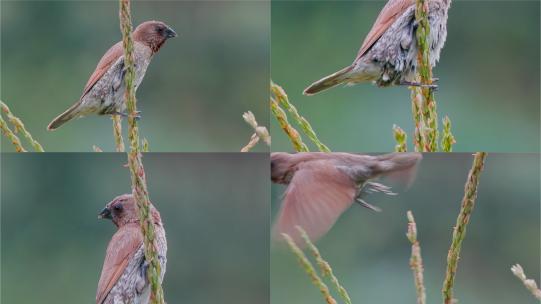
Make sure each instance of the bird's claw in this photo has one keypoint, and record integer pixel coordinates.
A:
(432, 86)
(137, 115)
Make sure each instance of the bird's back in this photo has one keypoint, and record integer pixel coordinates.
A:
(387, 17)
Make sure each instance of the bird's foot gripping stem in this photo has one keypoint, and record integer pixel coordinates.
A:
(137, 115)
(432, 87)
(367, 205)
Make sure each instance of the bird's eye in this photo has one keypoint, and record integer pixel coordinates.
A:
(117, 207)
(159, 30)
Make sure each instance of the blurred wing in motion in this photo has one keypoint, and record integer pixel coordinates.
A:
(398, 167)
(317, 195)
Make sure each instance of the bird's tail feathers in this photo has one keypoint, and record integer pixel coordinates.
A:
(329, 81)
(61, 119)
(401, 167)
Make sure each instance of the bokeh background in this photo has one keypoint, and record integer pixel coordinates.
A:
(215, 208)
(369, 251)
(489, 75)
(194, 92)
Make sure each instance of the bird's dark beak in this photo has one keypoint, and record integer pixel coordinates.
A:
(169, 33)
(105, 214)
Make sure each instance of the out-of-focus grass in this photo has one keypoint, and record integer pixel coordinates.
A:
(18, 128)
(280, 99)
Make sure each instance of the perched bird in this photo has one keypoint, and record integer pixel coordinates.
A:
(321, 186)
(104, 92)
(123, 278)
(388, 55)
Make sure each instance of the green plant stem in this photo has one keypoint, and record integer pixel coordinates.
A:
(459, 232)
(281, 97)
(428, 109)
(416, 261)
(19, 127)
(117, 132)
(291, 133)
(447, 140)
(11, 136)
(146, 145)
(138, 178)
(310, 270)
(325, 267)
(417, 113)
(401, 139)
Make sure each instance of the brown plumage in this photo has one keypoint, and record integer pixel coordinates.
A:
(321, 186)
(388, 53)
(104, 91)
(123, 277)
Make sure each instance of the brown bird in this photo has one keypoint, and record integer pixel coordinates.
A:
(123, 277)
(321, 186)
(388, 55)
(104, 92)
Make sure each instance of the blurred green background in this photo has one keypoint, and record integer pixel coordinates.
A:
(215, 208)
(194, 92)
(489, 75)
(369, 251)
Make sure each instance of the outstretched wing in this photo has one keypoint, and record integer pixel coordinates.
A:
(122, 247)
(317, 195)
(390, 12)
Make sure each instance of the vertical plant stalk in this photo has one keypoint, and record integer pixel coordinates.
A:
(416, 261)
(417, 113)
(459, 232)
(117, 132)
(528, 283)
(447, 140)
(283, 100)
(11, 136)
(138, 178)
(291, 133)
(19, 127)
(325, 267)
(146, 145)
(428, 109)
(401, 139)
(310, 270)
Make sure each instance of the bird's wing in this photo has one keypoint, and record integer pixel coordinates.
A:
(110, 57)
(315, 198)
(390, 12)
(122, 247)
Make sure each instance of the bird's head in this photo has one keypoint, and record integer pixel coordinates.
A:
(122, 210)
(281, 164)
(153, 34)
